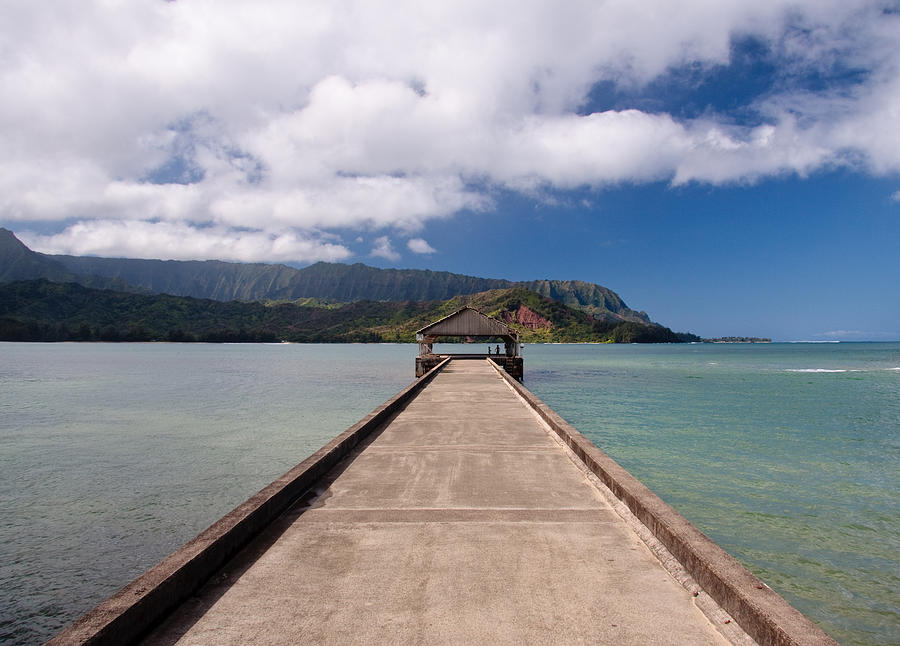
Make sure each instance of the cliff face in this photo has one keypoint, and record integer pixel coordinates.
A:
(527, 318)
(598, 301)
(226, 281)
(18, 262)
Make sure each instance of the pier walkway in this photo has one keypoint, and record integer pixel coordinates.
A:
(462, 520)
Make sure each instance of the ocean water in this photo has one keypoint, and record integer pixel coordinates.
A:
(113, 455)
(787, 455)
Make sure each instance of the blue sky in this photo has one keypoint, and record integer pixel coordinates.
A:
(788, 258)
(731, 168)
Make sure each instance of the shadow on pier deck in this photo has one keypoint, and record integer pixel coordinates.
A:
(464, 510)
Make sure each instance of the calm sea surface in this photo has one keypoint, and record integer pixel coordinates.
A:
(113, 455)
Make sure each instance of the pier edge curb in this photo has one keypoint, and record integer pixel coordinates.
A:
(135, 608)
(763, 614)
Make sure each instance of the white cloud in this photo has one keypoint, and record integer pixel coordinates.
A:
(178, 241)
(293, 119)
(418, 245)
(383, 248)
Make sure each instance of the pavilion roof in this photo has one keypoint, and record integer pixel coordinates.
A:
(467, 321)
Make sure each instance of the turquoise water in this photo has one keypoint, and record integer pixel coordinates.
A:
(111, 456)
(787, 455)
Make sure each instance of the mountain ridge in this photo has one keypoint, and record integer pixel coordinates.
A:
(18, 262)
(225, 281)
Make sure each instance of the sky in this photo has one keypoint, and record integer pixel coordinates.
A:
(732, 167)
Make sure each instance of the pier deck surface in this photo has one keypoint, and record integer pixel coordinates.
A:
(462, 521)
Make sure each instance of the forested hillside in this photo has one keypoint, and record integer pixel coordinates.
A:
(40, 310)
(226, 281)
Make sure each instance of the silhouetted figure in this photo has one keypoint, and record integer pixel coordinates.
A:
(498, 350)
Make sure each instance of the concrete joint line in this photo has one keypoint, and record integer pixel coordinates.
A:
(762, 614)
(138, 606)
(718, 617)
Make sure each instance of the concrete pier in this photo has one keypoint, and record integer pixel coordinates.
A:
(514, 366)
(467, 514)
(462, 522)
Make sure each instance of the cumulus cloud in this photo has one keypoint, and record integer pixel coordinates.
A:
(178, 241)
(224, 129)
(418, 245)
(383, 248)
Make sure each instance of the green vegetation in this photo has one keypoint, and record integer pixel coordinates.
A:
(40, 310)
(18, 262)
(596, 300)
(325, 282)
(68, 298)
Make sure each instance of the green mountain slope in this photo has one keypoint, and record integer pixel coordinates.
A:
(348, 283)
(226, 281)
(18, 262)
(221, 281)
(49, 311)
(332, 281)
(258, 282)
(593, 299)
